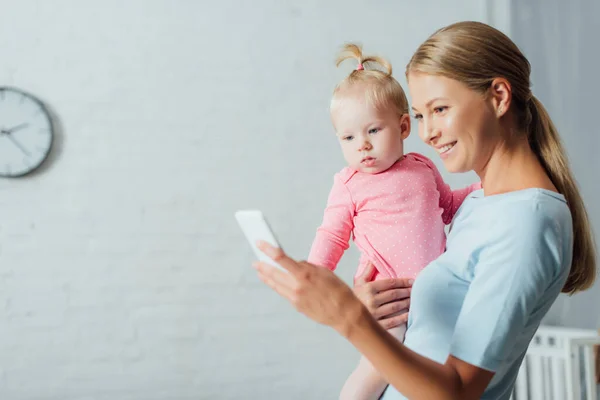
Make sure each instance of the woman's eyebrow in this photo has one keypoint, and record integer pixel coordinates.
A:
(431, 101)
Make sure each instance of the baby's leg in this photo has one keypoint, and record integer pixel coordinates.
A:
(365, 383)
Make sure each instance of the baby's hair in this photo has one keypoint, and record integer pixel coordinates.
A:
(381, 89)
(354, 51)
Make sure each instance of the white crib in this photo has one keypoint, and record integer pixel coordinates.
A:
(559, 365)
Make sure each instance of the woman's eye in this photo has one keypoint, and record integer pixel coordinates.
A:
(418, 117)
(438, 110)
(374, 130)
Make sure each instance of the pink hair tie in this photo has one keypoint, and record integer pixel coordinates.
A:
(360, 67)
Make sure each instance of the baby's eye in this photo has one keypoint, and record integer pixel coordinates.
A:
(348, 138)
(374, 130)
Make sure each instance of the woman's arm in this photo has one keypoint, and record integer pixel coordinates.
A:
(413, 375)
(322, 296)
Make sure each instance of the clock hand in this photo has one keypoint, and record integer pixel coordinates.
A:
(15, 128)
(19, 145)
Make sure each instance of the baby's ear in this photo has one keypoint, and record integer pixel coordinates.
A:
(405, 125)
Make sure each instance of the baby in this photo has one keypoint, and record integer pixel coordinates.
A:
(394, 205)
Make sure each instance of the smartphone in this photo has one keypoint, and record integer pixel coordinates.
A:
(255, 227)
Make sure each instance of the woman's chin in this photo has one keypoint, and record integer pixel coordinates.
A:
(455, 166)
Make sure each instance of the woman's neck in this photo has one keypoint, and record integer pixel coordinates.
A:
(514, 166)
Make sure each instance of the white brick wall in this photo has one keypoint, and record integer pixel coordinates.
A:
(122, 273)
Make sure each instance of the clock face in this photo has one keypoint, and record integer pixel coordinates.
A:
(26, 133)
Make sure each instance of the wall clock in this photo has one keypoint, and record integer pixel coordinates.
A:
(26, 133)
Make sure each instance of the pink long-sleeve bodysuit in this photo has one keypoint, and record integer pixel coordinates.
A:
(396, 217)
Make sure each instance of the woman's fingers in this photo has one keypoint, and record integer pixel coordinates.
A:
(392, 283)
(314, 291)
(319, 294)
(394, 321)
(391, 295)
(390, 309)
(278, 255)
(374, 294)
(277, 276)
(282, 282)
(264, 274)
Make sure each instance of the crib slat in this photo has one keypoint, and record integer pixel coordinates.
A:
(522, 384)
(576, 372)
(590, 384)
(536, 378)
(547, 378)
(558, 379)
(569, 361)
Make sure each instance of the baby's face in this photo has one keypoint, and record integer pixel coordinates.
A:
(371, 139)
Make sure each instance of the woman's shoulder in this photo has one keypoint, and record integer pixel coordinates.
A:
(533, 205)
(527, 221)
(527, 233)
(529, 218)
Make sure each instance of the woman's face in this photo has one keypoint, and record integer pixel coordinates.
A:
(455, 120)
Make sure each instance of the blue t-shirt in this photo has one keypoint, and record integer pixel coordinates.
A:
(507, 258)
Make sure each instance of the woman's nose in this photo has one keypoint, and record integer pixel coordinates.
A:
(429, 133)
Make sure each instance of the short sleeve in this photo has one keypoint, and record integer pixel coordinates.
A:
(510, 280)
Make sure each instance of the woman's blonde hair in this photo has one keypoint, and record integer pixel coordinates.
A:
(381, 89)
(475, 54)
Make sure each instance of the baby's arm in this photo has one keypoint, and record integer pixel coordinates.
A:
(333, 236)
(450, 200)
(365, 382)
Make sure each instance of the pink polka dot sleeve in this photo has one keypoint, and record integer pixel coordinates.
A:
(333, 235)
(450, 200)
(454, 199)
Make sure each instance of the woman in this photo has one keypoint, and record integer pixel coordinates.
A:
(512, 248)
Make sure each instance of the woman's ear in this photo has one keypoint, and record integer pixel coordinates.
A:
(405, 126)
(501, 96)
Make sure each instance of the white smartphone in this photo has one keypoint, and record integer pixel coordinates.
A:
(255, 228)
